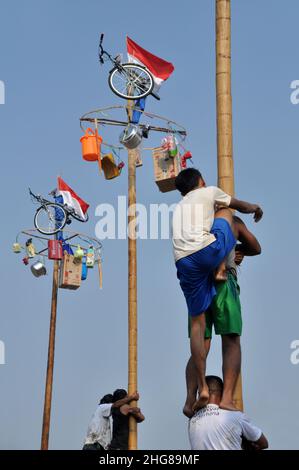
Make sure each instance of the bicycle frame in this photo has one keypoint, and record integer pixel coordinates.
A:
(115, 62)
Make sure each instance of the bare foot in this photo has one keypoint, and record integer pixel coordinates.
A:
(220, 276)
(188, 411)
(228, 405)
(202, 400)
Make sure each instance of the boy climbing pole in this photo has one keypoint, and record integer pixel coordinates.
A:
(225, 314)
(202, 239)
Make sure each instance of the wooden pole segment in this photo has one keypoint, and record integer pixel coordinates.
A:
(132, 293)
(223, 97)
(224, 117)
(50, 363)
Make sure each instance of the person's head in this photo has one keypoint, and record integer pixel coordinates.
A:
(188, 179)
(215, 385)
(119, 394)
(106, 399)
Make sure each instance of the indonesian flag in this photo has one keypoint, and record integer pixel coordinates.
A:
(159, 68)
(71, 199)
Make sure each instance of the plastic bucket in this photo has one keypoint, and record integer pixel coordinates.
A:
(91, 145)
(109, 167)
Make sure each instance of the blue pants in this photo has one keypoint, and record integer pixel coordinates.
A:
(196, 272)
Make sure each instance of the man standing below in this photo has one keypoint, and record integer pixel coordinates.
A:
(212, 428)
(99, 430)
(225, 314)
(201, 241)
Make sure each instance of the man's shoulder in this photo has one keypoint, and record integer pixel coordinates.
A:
(215, 410)
(104, 407)
(236, 416)
(216, 414)
(199, 193)
(213, 189)
(210, 191)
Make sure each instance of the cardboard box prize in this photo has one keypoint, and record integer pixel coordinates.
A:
(166, 168)
(70, 273)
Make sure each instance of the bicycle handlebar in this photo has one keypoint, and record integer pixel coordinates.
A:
(38, 197)
(101, 50)
(31, 193)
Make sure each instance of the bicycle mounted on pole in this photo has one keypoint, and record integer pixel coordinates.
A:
(128, 80)
(51, 217)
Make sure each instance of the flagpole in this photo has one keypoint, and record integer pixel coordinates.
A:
(224, 118)
(50, 362)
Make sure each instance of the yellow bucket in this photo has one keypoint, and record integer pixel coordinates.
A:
(109, 167)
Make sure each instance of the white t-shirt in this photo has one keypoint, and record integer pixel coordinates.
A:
(212, 428)
(99, 429)
(193, 218)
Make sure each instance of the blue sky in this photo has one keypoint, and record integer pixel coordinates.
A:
(48, 57)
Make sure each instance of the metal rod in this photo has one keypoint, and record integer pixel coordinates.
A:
(125, 123)
(65, 239)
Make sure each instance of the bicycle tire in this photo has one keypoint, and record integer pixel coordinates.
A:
(52, 231)
(149, 86)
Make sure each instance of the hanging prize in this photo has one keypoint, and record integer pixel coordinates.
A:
(38, 269)
(90, 258)
(84, 269)
(16, 247)
(30, 249)
(78, 255)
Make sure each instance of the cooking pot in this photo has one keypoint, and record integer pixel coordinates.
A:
(38, 269)
(131, 137)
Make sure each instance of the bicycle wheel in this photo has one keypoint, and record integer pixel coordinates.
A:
(131, 81)
(50, 218)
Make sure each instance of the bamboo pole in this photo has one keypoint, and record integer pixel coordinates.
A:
(224, 118)
(50, 363)
(132, 293)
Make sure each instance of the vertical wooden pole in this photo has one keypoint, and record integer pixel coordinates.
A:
(50, 364)
(132, 294)
(224, 117)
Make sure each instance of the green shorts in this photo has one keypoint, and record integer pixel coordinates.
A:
(225, 310)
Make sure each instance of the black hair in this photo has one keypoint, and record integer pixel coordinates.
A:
(215, 384)
(119, 394)
(187, 180)
(106, 399)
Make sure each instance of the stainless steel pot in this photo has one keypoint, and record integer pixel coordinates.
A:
(38, 269)
(131, 137)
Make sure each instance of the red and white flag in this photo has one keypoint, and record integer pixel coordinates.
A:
(159, 68)
(71, 199)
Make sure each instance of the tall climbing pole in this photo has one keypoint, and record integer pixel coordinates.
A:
(50, 363)
(224, 117)
(132, 290)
